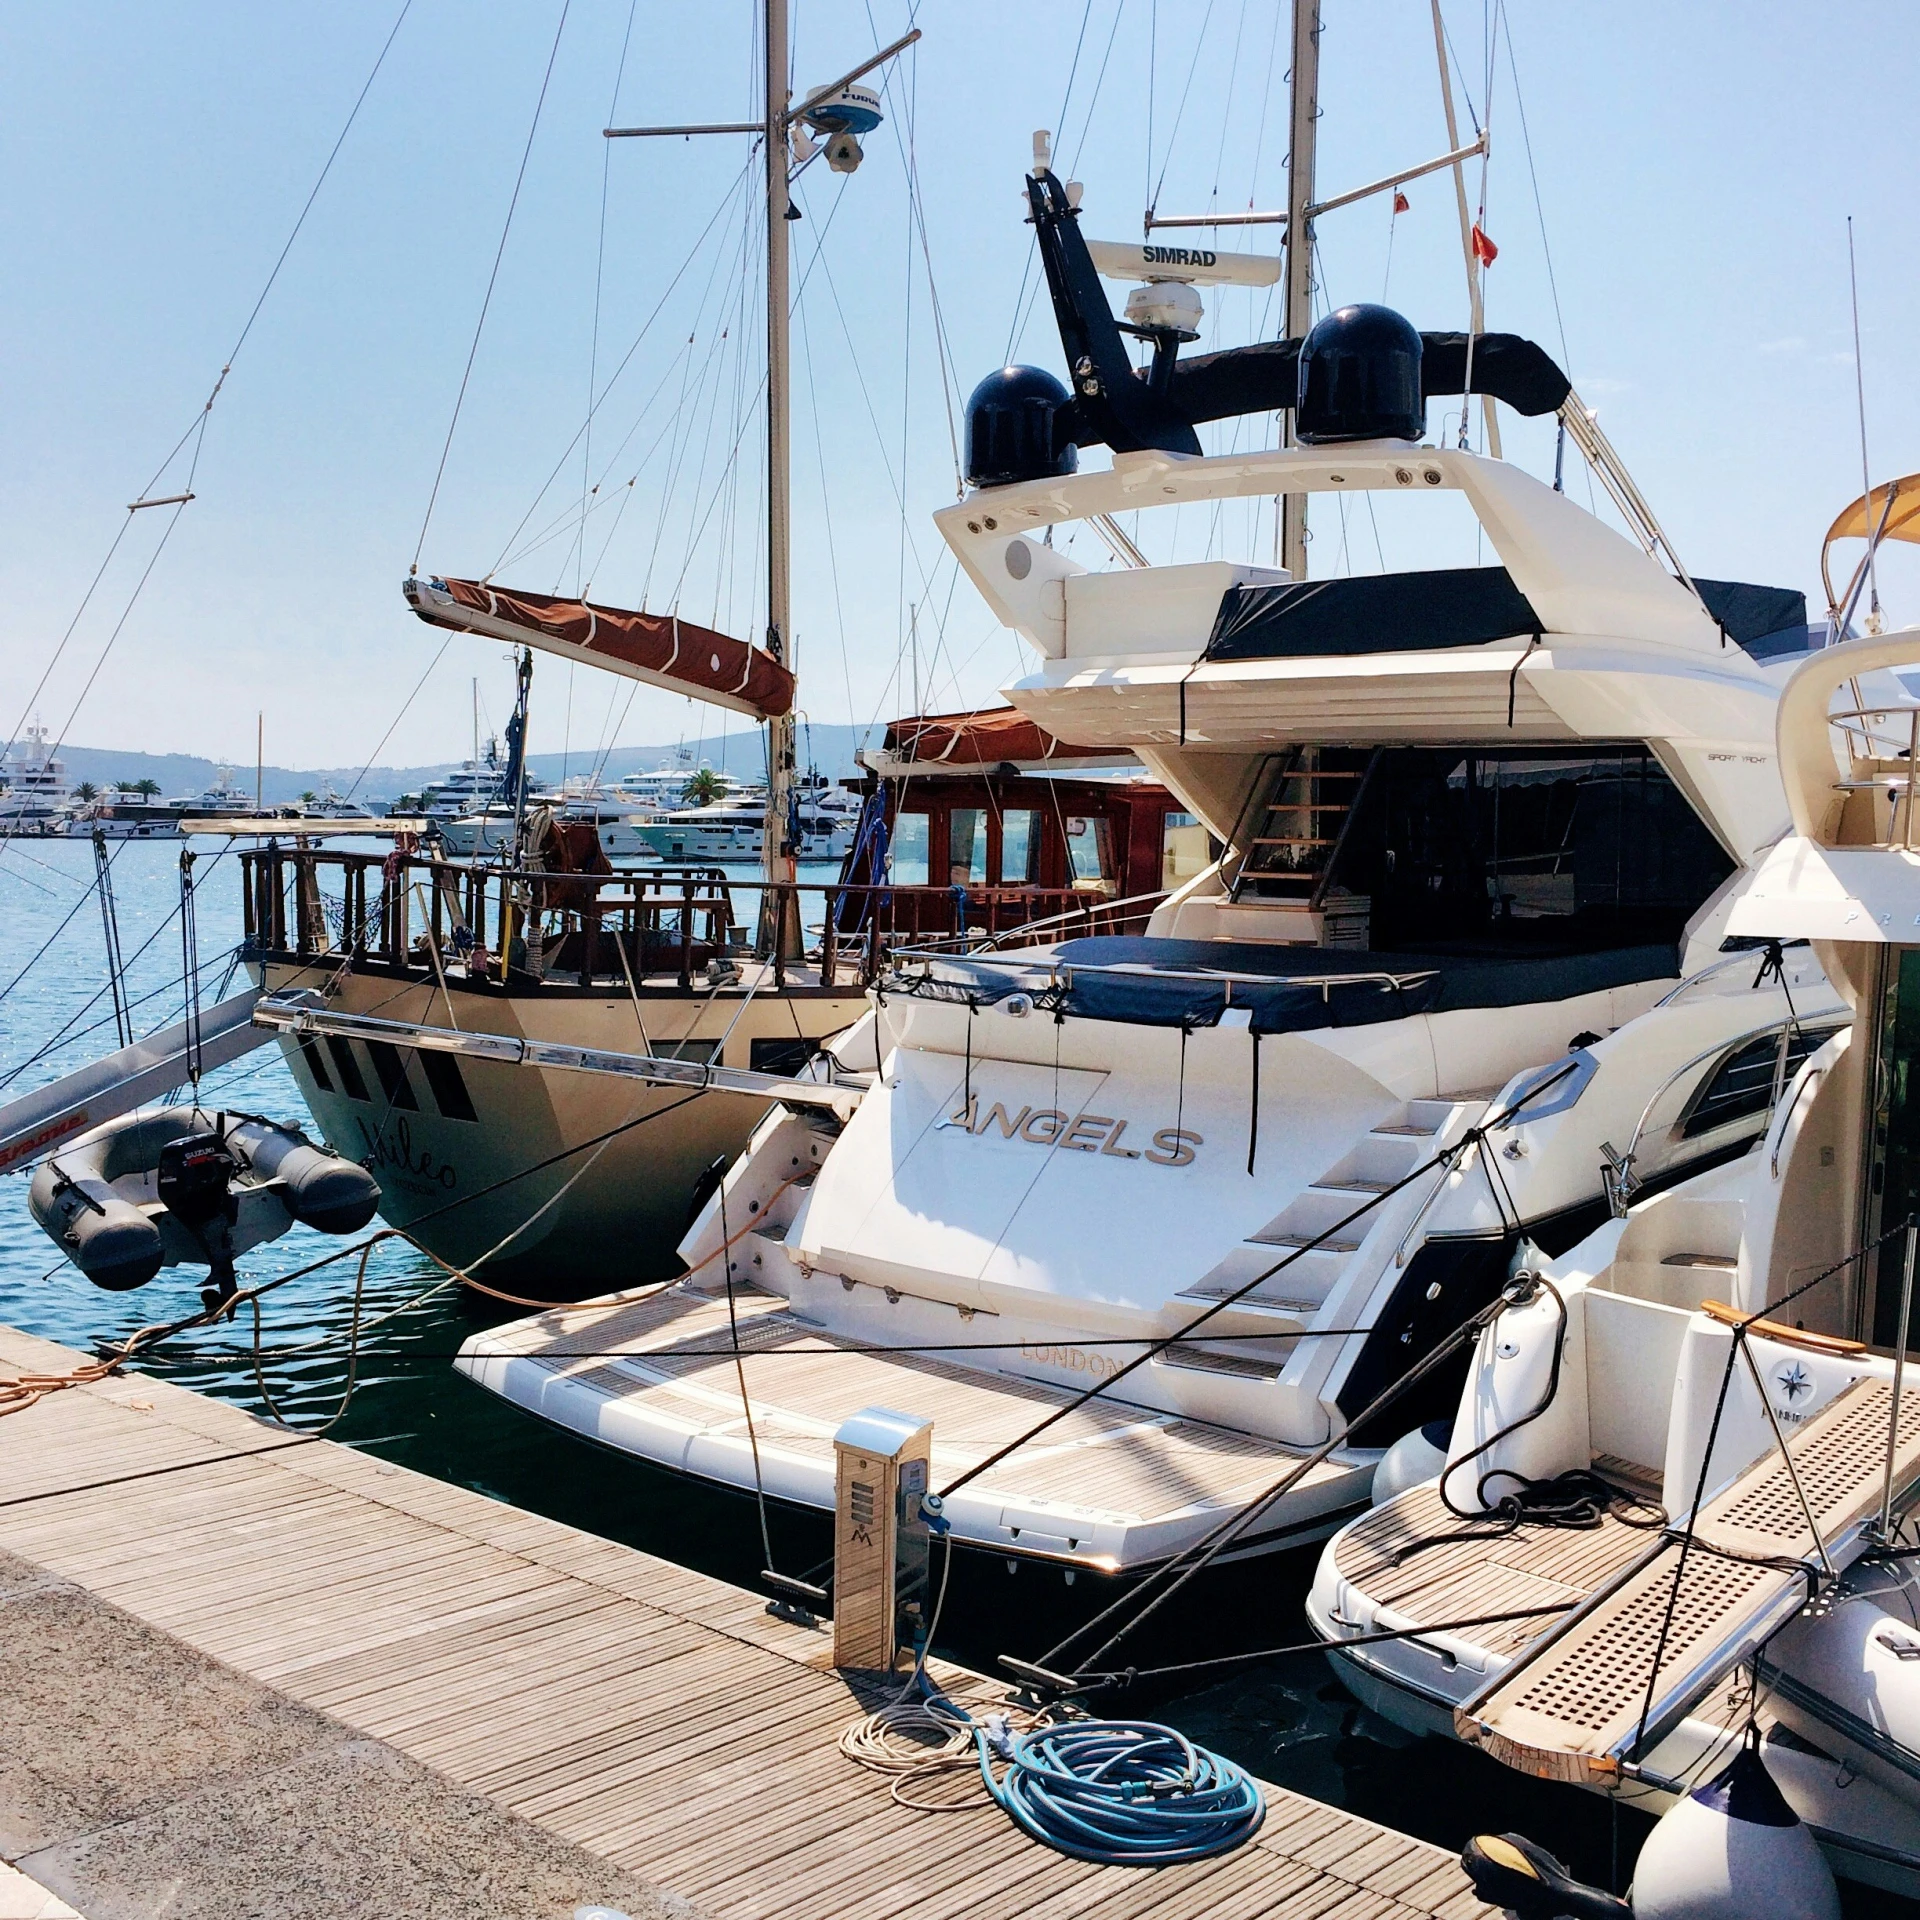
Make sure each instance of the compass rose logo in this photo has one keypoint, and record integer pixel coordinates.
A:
(1793, 1380)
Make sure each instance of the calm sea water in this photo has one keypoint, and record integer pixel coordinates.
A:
(1286, 1719)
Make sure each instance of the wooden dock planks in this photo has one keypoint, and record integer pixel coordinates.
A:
(662, 1720)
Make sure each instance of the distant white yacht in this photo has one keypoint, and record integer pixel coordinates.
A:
(664, 790)
(730, 829)
(225, 798)
(331, 805)
(34, 795)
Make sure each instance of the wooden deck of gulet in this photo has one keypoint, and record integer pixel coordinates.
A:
(656, 1718)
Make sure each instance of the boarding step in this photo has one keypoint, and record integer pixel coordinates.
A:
(1419, 1120)
(1713, 1262)
(1375, 1162)
(1191, 1356)
(1342, 1243)
(1570, 1707)
(1299, 1289)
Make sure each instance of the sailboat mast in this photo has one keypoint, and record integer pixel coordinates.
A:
(777, 851)
(1304, 96)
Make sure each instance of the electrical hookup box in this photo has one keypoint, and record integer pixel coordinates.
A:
(882, 1459)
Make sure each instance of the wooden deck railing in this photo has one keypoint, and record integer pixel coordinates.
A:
(647, 923)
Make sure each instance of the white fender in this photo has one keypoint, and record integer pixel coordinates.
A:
(1513, 1373)
(1733, 1850)
(1416, 1457)
(1849, 1681)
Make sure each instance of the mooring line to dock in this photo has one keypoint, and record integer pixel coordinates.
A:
(154, 1473)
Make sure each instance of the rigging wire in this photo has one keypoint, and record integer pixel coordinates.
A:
(439, 655)
(1066, 99)
(1193, 66)
(566, 454)
(487, 301)
(599, 267)
(199, 423)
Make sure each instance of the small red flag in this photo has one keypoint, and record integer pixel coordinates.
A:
(1400, 202)
(1483, 249)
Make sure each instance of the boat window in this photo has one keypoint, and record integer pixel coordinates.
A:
(780, 1053)
(1574, 849)
(1893, 1173)
(967, 847)
(704, 1052)
(449, 1088)
(393, 1075)
(346, 1066)
(1020, 847)
(1090, 852)
(907, 858)
(1183, 850)
(1742, 1085)
(310, 1053)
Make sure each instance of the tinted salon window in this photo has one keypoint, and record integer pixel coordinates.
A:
(1532, 848)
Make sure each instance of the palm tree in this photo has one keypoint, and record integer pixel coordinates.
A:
(148, 789)
(86, 790)
(703, 789)
(308, 797)
(126, 786)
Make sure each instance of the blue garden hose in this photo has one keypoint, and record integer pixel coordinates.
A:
(1121, 1792)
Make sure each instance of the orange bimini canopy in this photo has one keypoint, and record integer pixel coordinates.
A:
(1890, 512)
(974, 743)
(659, 648)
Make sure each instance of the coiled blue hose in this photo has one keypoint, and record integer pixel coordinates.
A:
(1122, 1792)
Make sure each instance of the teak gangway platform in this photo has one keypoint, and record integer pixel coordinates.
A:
(1572, 1705)
(653, 1717)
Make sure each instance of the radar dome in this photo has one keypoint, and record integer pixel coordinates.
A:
(1012, 433)
(1360, 379)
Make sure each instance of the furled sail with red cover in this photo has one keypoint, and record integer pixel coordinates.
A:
(989, 738)
(659, 648)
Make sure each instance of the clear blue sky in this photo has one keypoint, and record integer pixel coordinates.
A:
(1695, 166)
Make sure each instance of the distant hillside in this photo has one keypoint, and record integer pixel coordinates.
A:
(181, 773)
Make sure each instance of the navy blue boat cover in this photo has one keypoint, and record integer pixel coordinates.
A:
(1191, 983)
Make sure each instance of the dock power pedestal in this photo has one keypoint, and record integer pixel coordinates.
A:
(880, 1545)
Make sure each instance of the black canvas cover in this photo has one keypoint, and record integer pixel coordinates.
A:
(1264, 377)
(1373, 613)
(1763, 620)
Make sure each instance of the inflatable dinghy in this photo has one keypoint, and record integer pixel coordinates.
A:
(187, 1187)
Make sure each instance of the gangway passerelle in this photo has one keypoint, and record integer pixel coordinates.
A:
(1623, 1669)
(37, 1122)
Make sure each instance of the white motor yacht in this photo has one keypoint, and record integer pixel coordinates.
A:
(732, 829)
(34, 795)
(665, 788)
(1479, 833)
(1672, 1510)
